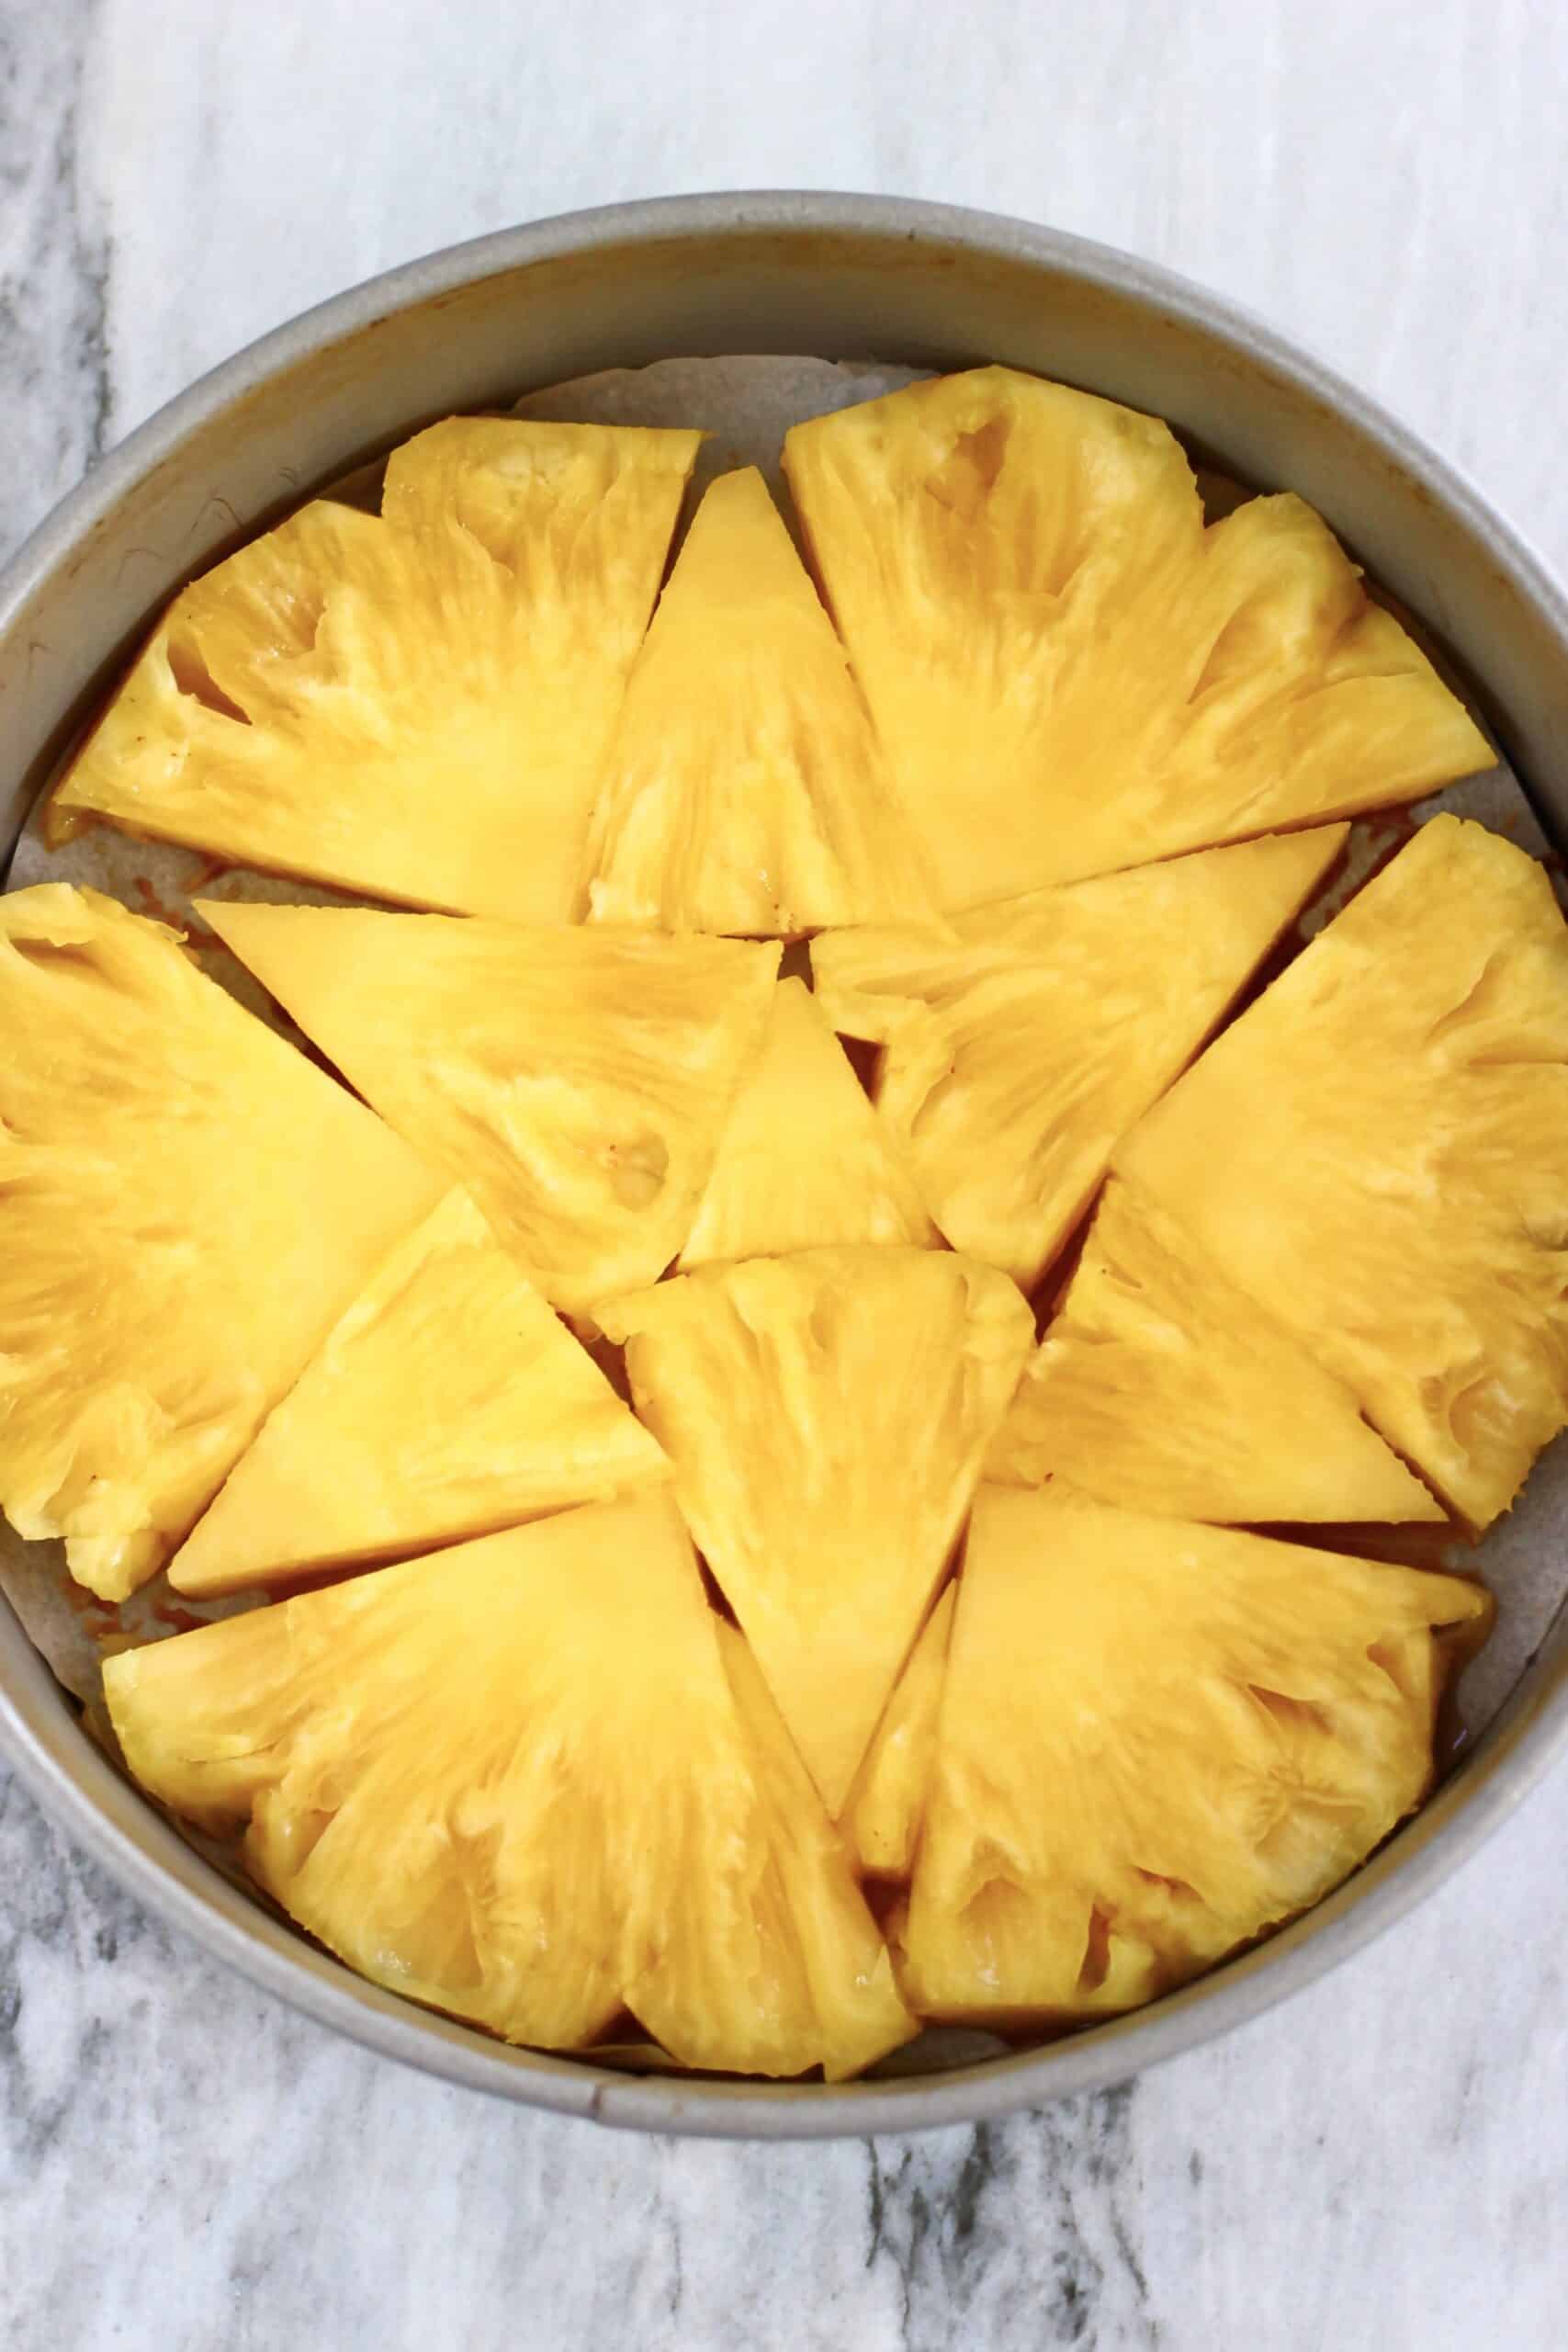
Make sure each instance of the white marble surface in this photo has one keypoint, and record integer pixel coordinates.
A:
(1384, 2162)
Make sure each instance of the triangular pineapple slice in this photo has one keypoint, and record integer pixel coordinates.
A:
(826, 1415)
(414, 706)
(804, 1160)
(574, 1081)
(744, 790)
(1070, 673)
(834, 1945)
(882, 1819)
(1162, 1385)
(1156, 1741)
(448, 1401)
(1378, 1152)
(1020, 1051)
(510, 1780)
(186, 1206)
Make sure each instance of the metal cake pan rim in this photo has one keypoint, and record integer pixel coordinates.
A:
(87, 1797)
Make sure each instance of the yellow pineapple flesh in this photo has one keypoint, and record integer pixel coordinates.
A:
(575, 1081)
(414, 706)
(1157, 1740)
(186, 1206)
(1162, 1385)
(886, 1805)
(835, 1947)
(1067, 671)
(744, 790)
(1377, 1151)
(609, 1730)
(1020, 1049)
(448, 1401)
(804, 1160)
(510, 1780)
(826, 1415)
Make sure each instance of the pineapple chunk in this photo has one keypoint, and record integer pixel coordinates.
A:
(1069, 672)
(510, 1780)
(835, 1946)
(1162, 1385)
(574, 1081)
(1378, 1152)
(186, 1204)
(804, 1160)
(882, 1819)
(448, 1402)
(1019, 1051)
(744, 790)
(414, 706)
(1157, 1740)
(826, 1415)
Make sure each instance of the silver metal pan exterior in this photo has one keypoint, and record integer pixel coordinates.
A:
(840, 276)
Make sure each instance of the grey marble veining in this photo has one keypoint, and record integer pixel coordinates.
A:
(1383, 2164)
(54, 375)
